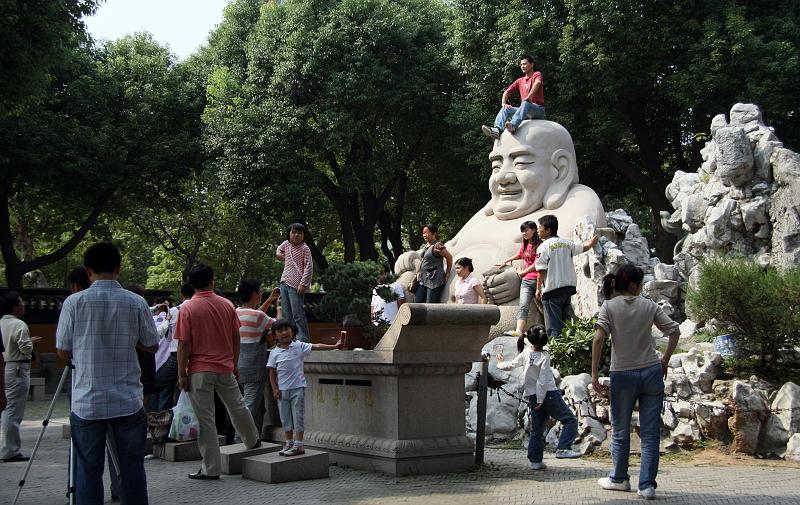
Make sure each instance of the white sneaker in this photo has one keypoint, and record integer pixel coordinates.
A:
(492, 132)
(286, 447)
(538, 466)
(607, 483)
(513, 333)
(648, 493)
(567, 454)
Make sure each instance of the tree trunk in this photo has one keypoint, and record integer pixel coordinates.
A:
(653, 191)
(16, 268)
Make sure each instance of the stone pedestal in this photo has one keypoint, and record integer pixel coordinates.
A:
(399, 409)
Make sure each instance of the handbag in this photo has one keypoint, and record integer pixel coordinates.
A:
(158, 424)
(414, 284)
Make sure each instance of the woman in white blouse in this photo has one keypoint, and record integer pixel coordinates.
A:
(468, 288)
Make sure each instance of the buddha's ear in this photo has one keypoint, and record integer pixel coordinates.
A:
(566, 175)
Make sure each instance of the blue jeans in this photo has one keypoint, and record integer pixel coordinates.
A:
(166, 381)
(253, 394)
(646, 386)
(526, 110)
(552, 406)
(294, 310)
(527, 294)
(556, 311)
(89, 438)
(427, 295)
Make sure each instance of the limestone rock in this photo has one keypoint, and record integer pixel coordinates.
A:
(750, 413)
(688, 328)
(718, 122)
(734, 156)
(576, 387)
(718, 223)
(595, 428)
(712, 420)
(793, 448)
(668, 418)
(664, 272)
(619, 220)
(635, 246)
(784, 421)
(785, 208)
(686, 434)
(754, 213)
(501, 417)
(746, 115)
(661, 290)
(714, 191)
(693, 212)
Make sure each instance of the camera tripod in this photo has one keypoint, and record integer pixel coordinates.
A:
(110, 446)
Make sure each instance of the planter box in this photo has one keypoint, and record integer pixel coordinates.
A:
(354, 337)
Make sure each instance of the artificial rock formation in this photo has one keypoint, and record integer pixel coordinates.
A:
(745, 198)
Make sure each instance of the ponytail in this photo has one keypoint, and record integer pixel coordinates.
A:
(622, 279)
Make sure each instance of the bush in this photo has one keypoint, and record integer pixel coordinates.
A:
(760, 306)
(571, 352)
(348, 290)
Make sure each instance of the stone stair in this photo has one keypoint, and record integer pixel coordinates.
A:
(273, 468)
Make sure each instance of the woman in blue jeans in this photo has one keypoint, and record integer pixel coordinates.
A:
(637, 374)
(528, 278)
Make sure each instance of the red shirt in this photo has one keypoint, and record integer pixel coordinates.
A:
(210, 324)
(524, 85)
(529, 256)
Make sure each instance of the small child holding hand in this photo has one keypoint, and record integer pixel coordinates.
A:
(544, 397)
(288, 381)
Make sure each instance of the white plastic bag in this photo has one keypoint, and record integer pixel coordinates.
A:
(184, 423)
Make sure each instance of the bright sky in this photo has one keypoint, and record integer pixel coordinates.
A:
(183, 25)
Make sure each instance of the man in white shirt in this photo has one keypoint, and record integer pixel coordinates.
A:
(18, 352)
(380, 308)
(556, 282)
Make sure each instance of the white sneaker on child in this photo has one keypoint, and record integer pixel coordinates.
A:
(567, 454)
(286, 447)
(296, 450)
(538, 466)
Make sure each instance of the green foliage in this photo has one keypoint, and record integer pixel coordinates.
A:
(36, 38)
(348, 290)
(332, 122)
(571, 352)
(760, 306)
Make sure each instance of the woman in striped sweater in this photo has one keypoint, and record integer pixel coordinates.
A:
(296, 277)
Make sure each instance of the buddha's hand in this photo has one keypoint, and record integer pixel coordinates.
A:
(501, 285)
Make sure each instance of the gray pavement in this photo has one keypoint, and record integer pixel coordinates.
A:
(505, 479)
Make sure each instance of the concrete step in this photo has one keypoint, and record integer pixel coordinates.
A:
(232, 455)
(180, 451)
(36, 389)
(273, 468)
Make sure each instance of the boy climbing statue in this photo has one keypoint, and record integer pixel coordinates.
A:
(531, 92)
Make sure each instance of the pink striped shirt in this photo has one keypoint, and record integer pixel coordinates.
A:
(254, 324)
(297, 267)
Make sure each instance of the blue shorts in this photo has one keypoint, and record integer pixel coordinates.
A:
(292, 407)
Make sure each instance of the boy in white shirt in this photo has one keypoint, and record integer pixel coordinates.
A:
(288, 381)
(544, 397)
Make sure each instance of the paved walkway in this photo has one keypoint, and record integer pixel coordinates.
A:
(505, 479)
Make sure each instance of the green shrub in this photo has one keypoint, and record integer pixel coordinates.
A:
(348, 290)
(760, 306)
(571, 352)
